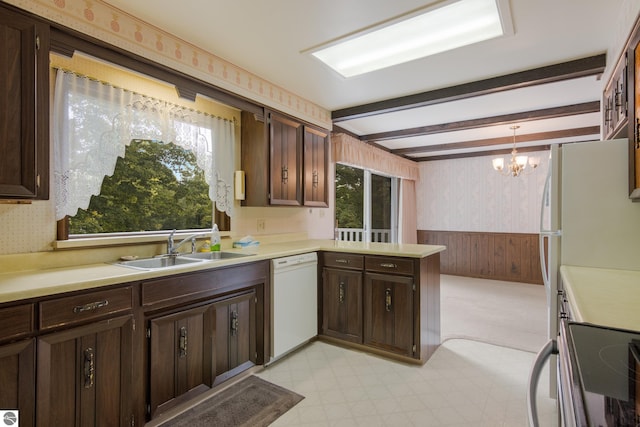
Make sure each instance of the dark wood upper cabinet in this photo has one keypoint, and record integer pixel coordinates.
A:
(285, 139)
(24, 106)
(316, 154)
(285, 161)
(621, 105)
(633, 55)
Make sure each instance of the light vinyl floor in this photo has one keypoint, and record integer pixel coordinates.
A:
(466, 382)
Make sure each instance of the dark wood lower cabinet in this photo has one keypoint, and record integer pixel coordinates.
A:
(83, 375)
(382, 304)
(342, 304)
(388, 313)
(17, 379)
(179, 356)
(234, 335)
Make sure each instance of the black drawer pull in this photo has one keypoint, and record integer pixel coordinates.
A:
(388, 265)
(91, 306)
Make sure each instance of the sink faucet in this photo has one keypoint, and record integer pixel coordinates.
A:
(172, 248)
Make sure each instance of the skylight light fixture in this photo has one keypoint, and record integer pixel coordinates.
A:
(422, 33)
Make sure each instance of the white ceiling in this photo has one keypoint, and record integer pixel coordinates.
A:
(266, 38)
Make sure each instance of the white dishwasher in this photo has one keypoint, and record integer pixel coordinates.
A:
(294, 302)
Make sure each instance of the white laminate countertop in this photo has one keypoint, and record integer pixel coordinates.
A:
(25, 284)
(604, 297)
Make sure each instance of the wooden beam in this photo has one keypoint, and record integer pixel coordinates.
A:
(480, 153)
(547, 113)
(539, 136)
(589, 66)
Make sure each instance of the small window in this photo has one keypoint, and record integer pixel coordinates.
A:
(156, 186)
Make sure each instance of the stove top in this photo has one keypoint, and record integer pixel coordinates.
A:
(609, 369)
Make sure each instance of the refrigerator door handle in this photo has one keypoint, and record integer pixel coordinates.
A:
(549, 349)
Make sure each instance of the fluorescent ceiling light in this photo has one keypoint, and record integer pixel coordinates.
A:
(421, 34)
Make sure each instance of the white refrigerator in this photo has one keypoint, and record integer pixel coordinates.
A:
(586, 216)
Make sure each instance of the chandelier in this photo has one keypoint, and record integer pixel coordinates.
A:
(518, 164)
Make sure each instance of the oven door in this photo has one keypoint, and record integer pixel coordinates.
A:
(571, 406)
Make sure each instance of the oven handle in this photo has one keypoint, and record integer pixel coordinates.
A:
(549, 349)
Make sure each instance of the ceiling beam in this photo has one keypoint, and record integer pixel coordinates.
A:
(480, 153)
(539, 136)
(547, 113)
(593, 65)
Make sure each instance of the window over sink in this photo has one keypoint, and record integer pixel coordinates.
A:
(131, 157)
(156, 186)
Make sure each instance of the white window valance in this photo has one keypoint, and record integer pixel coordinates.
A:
(353, 152)
(93, 122)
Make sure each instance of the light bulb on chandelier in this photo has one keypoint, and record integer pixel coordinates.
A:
(518, 164)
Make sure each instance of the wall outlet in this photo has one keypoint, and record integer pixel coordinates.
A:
(261, 225)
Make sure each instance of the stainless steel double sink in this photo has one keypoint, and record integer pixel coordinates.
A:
(168, 261)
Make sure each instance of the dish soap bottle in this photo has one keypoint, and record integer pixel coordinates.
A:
(215, 238)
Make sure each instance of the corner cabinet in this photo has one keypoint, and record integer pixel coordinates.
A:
(383, 304)
(24, 106)
(285, 161)
(342, 296)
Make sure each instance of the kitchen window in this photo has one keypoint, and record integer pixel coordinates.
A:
(99, 127)
(156, 186)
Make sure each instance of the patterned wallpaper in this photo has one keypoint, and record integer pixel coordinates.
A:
(102, 21)
(468, 195)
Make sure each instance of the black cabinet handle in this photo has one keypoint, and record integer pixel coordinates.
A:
(387, 299)
(89, 367)
(91, 306)
(182, 344)
(341, 293)
(285, 174)
(234, 323)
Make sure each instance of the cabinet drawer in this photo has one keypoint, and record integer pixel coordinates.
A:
(389, 265)
(16, 321)
(342, 260)
(189, 288)
(80, 308)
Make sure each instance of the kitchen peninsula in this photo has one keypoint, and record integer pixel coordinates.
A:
(147, 340)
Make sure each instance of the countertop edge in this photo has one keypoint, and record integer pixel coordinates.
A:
(605, 297)
(30, 284)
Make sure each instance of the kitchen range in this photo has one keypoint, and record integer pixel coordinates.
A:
(591, 277)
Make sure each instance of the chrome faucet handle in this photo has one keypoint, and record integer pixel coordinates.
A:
(170, 248)
(193, 244)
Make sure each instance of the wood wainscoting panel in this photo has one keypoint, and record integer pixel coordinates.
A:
(512, 257)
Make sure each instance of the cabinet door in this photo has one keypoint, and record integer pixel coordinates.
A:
(17, 376)
(286, 158)
(180, 355)
(635, 135)
(24, 107)
(316, 146)
(388, 312)
(84, 375)
(342, 304)
(234, 335)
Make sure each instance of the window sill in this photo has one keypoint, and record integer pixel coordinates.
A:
(101, 242)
